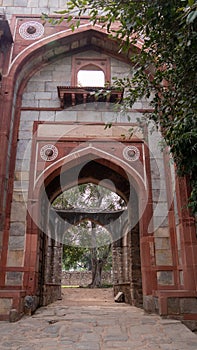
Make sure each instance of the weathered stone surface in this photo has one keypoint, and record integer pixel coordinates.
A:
(17, 229)
(23, 149)
(62, 116)
(5, 305)
(18, 212)
(14, 278)
(165, 277)
(95, 327)
(16, 242)
(162, 243)
(188, 305)
(161, 221)
(13, 315)
(162, 232)
(29, 116)
(173, 306)
(150, 303)
(21, 3)
(15, 258)
(21, 196)
(83, 278)
(163, 257)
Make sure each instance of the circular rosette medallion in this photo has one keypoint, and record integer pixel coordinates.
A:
(131, 153)
(31, 30)
(49, 153)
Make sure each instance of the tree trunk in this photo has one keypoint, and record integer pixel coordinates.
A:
(97, 263)
(97, 267)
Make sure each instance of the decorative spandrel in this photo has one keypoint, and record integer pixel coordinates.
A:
(72, 96)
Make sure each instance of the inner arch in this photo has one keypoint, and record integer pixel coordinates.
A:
(125, 238)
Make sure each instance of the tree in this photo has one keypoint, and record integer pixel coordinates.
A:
(88, 245)
(165, 71)
(99, 257)
(73, 257)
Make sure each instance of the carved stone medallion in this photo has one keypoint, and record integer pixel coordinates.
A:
(49, 153)
(31, 30)
(131, 153)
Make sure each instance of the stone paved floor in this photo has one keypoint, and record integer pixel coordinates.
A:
(95, 327)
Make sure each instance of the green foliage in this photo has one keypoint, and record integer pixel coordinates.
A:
(87, 239)
(89, 196)
(79, 244)
(74, 257)
(165, 72)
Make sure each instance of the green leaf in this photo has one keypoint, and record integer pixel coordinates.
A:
(191, 17)
(63, 12)
(77, 23)
(190, 2)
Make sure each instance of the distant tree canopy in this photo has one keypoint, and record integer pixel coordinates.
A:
(89, 196)
(165, 71)
(88, 245)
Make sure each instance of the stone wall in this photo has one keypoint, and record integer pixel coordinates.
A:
(31, 6)
(83, 278)
(41, 93)
(41, 90)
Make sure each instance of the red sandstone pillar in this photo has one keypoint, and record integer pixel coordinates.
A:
(188, 236)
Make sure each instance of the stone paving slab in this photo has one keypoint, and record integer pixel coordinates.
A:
(121, 327)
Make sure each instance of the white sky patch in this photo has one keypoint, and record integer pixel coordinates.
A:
(91, 78)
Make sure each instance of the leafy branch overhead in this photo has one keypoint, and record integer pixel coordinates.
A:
(165, 71)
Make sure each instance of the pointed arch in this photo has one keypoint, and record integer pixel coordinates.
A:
(81, 157)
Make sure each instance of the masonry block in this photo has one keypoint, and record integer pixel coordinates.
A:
(150, 303)
(14, 278)
(188, 305)
(15, 258)
(163, 257)
(165, 277)
(17, 229)
(19, 212)
(5, 305)
(21, 3)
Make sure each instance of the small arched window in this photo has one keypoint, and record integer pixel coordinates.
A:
(90, 76)
(93, 72)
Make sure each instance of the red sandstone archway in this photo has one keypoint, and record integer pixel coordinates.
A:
(90, 165)
(13, 83)
(15, 77)
(26, 62)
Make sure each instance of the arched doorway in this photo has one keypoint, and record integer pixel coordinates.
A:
(22, 67)
(126, 228)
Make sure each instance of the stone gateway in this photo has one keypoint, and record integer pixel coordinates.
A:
(53, 137)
